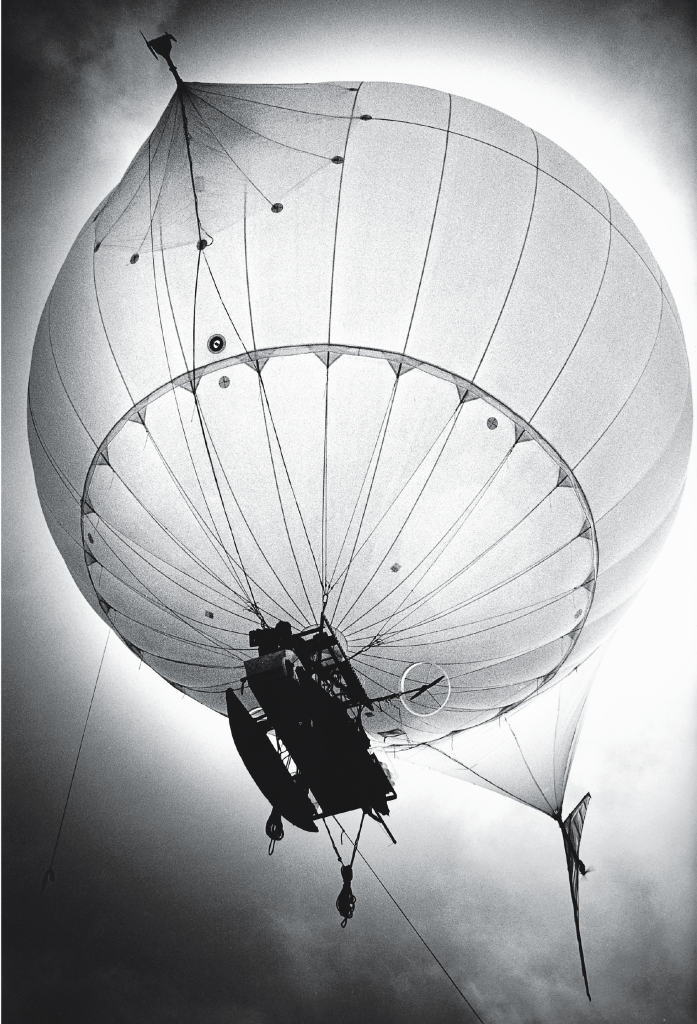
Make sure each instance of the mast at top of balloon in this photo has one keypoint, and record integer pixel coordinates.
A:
(161, 46)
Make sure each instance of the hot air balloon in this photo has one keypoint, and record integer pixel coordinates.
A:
(359, 412)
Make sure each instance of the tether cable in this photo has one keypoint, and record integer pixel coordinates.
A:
(50, 876)
(412, 926)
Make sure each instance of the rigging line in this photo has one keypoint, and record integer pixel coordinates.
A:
(453, 529)
(116, 363)
(178, 637)
(326, 160)
(223, 468)
(371, 679)
(409, 515)
(460, 572)
(197, 405)
(531, 610)
(49, 875)
(292, 110)
(133, 546)
(520, 257)
(360, 492)
(483, 593)
(406, 342)
(324, 571)
(175, 540)
(636, 385)
(323, 556)
(77, 496)
(554, 746)
(331, 840)
(187, 499)
(585, 322)
(264, 398)
(280, 499)
(355, 553)
(231, 653)
(222, 303)
(140, 183)
(513, 613)
(412, 926)
(489, 782)
(493, 662)
(287, 473)
(230, 158)
(215, 532)
(574, 740)
(204, 566)
(246, 274)
(260, 135)
(252, 535)
(528, 766)
(386, 421)
(433, 223)
(153, 599)
(153, 209)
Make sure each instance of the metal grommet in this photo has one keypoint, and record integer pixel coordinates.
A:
(366, 117)
(492, 423)
(216, 343)
(337, 159)
(277, 207)
(134, 258)
(90, 538)
(202, 243)
(224, 382)
(96, 248)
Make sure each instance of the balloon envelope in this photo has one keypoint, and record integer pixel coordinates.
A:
(369, 351)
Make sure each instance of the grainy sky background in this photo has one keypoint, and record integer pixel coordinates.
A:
(167, 908)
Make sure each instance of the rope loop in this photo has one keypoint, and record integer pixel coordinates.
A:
(274, 829)
(346, 901)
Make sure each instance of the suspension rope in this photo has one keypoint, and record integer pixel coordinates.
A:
(50, 876)
(345, 901)
(414, 928)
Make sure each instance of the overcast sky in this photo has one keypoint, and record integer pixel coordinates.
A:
(166, 906)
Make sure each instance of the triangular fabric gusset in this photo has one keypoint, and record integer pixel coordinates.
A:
(521, 434)
(132, 647)
(89, 558)
(328, 358)
(573, 634)
(465, 394)
(191, 381)
(399, 368)
(259, 364)
(564, 480)
(589, 582)
(87, 509)
(587, 531)
(105, 606)
(137, 417)
(103, 458)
